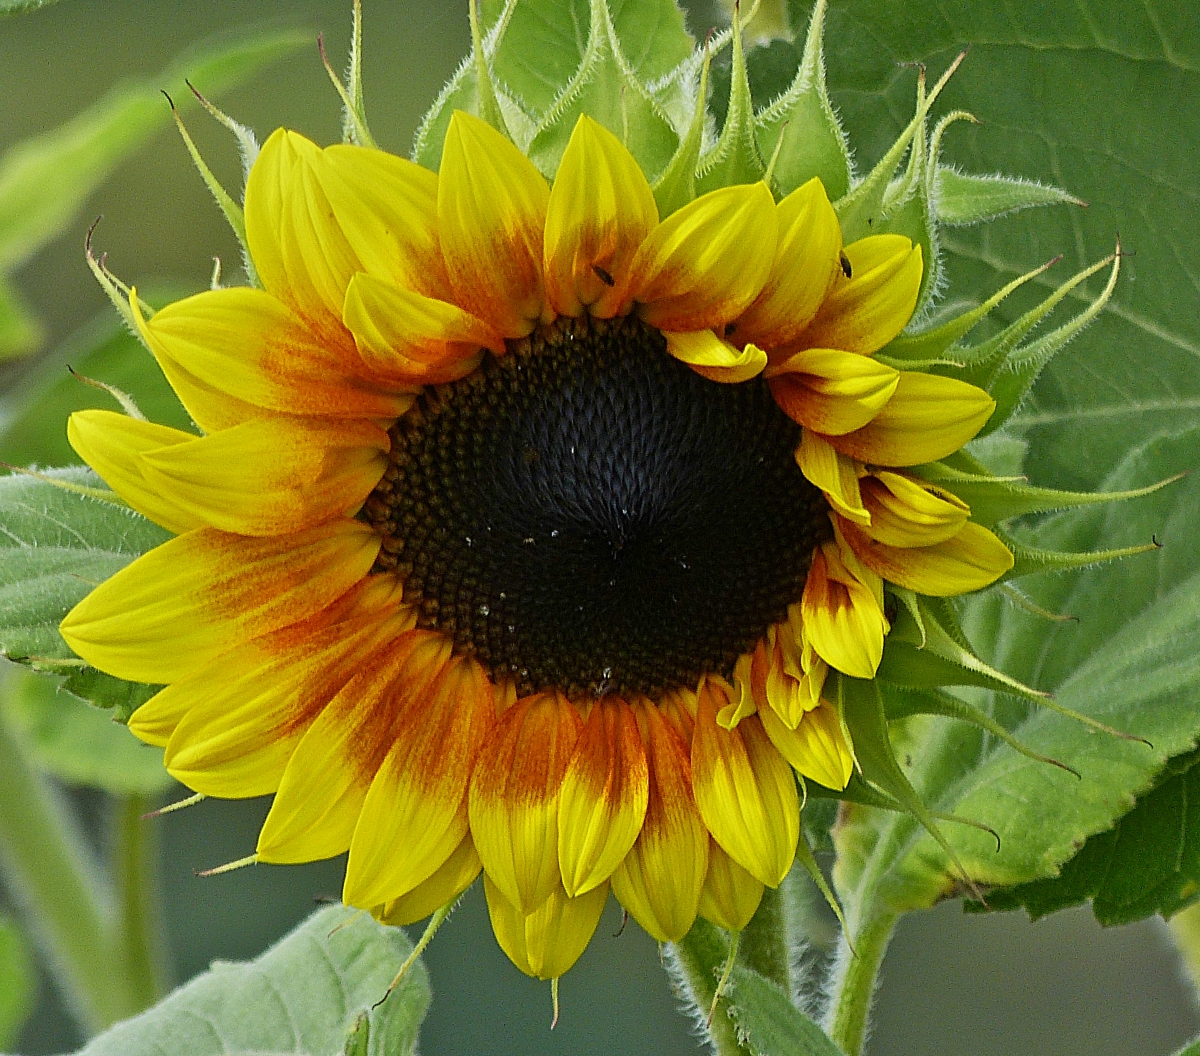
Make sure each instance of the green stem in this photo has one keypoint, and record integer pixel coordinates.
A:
(698, 959)
(135, 852)
(54, 877)
(852, 986)
(1185, 930)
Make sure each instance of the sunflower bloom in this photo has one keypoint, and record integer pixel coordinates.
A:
(526, 526)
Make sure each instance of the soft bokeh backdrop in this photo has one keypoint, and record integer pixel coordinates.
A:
(952, 984)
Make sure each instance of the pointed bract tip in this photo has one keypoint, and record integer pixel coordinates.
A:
(229, 867)
(554, 1002)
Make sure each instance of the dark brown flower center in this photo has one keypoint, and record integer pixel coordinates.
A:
(587, 513)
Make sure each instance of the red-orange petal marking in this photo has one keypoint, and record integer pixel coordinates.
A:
(513, 801)
(603, 799)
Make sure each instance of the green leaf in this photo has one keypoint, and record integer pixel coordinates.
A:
(768, 1022)
(44, 181)
(55, 546)
(33, 417)
(77, 743)
(301, 997)
(966, 199)
(1190, 1050)
(17, 981)
(1149, 862)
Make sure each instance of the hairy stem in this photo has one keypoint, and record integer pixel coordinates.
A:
(1185, 930)
(53, 876)
(697, 960)
(764, 945)
(852, 986)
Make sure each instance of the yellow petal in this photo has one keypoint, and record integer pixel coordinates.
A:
(600, 211)
(730, 895)
(514, 797)
(906, 512)
(927, 418)
(316, 217)
(816, 747)
(843, 617)
(704, 265)
(272, 475)
(110, 443)
(415, 813)
(864, 312)
(794, 673)
(660, 879)
(806, 260)
(242, 715)
(715, 359)
(834, 473)
(243, 346)
(548, 941)
(412, 339)
(183, 604)
(970, 560)
(453, 877)
(491, 208)
(603, 800)
(830, 391)
(744, 790)
(325, 784)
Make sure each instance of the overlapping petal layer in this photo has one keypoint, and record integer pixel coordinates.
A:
(293, 663)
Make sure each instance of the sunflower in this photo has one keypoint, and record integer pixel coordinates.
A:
(526, 526)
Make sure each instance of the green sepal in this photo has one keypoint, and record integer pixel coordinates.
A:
(677, 184)
(606, 88)
(808, 862)
(1030, 560)
(908, 209)
(462, 93)
(936, 345)
(354, 114)
(229, 208)
(964, 199)
(862, 208)
(900, 702)
(735, 158)
(861, 702)
(995, 499)
(813, 143)
(946, 657)
(982, 363)
(485, 92)
(1022, 366)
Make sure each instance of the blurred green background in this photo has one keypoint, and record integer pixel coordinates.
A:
(952, 985)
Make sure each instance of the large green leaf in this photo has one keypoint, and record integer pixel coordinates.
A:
(18, 7)
(1116, 409)
(301, 997)
(55, 546)
(1148, 863)
(16, 981)
(44, 181)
